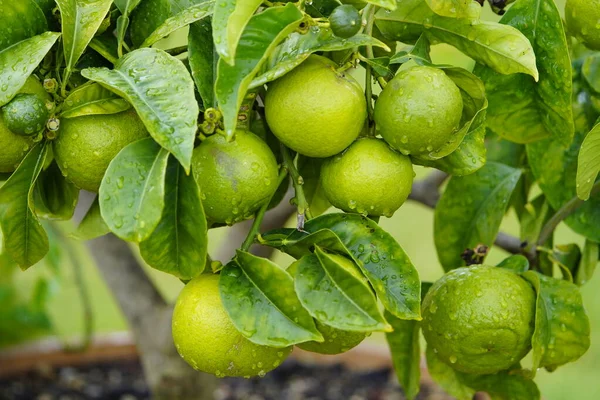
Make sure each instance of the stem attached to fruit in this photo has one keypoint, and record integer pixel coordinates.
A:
(255, 229)
(569, 208)
(369, 14)
(297, 181)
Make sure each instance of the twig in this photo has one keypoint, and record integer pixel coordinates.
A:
(370, 16)
(297, 181)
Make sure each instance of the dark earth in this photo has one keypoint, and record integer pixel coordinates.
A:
(291, 381)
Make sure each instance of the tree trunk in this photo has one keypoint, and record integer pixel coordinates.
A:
(149, 318)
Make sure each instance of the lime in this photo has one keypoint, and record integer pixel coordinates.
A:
(236, 178)
(26, 114)
(368, 178)
(314, 109)
(345, 21)
(419, 110)
(86, 145)
(479, 320)
(207, 340)
(583, 21)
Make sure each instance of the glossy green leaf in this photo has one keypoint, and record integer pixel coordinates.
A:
(387, 4)
(470, 211)
(54, 196)
(588, 163)
(18, 61)
(24, 238)
(335, 296)
(299, 46)
(132, 190)
(382, 260)
(260, 299)
(516, 263)
(156, 84)
(92, 225)
(567, 257)
(474, 110)
(310, 170)
(406, 353)
(201, 56)
(179, 244)
(321, 8)
(588, 263)
(521, 109)
(80, 19)
(262, 34)
(230, 19)
(591, 71)
(147, 17)
(533, 218)
(451, 8)
(500, 386)
(555, 169)
(184, 18)
(126, 7)
(562, 328)
(106, 46)
(92, 99)
(498, 46)
(419, 53)
(20, 20)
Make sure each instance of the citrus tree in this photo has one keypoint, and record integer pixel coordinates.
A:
(263, 96)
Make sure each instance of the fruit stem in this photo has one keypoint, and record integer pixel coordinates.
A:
(255, 229)
(297, 181)
(569, 208)
(369, 14)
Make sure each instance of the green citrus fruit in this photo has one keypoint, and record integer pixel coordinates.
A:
(314, 109)
(480, 319)
(345, 21)
(419, 110)
(368, 178)
(583, 21)
(236, 178)
(336, 340)
(26, 114)
(86, 145)
(207, 339)
(13, 147)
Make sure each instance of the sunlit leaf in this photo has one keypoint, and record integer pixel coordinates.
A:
(92, 99)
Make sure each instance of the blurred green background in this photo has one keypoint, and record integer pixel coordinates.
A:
(412, 226)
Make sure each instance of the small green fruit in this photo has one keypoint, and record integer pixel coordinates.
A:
(345, 21)
(25, 115)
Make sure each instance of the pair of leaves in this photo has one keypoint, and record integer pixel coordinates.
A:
(521, 109)
(500, 47)
(156, 84)
(470, 211)
(376, 252)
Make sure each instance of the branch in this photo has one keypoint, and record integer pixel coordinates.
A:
(427, 192)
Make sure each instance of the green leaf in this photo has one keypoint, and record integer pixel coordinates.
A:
(24, 238)
(179, 244)
(500, 386)
(555, 169)
(336, 296)
(299, 46)
(387, 4)
(588, 263)
(54, 196)
(591, 71)
(451, 8)
(533, 218)
(132, 190)
(106, 46)
(92, 225)
(498, 46)
(470, 211)
(147, 17)
(20, 20)
(380, 257)
(80, 19)
(420, 53)
(92, 99)
(562, 328)
(126, 6)
(230, 19)
(567, 256)
(262, 34)
(18, 61)
(260, 299)
(201, 56)
(588, 163)
(184, 18)
(406, 353)
(516, 263)
(321, 8)
(521, 109)
(156, 84)
(310, 170)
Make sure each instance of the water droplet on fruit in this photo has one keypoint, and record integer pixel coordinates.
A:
(453, 359)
